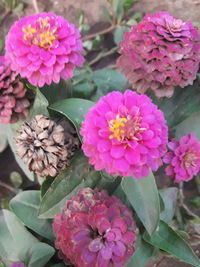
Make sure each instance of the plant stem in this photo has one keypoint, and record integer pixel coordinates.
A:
(93, 35)
(181, 194)
(10, 188)
(102, 55)
(35, 5)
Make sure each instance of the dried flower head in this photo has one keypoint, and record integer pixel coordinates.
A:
(95, 229)
(14, 103)
(159, 53)
(44, 146)
(44, 48)
(184, 158)
(125, 133)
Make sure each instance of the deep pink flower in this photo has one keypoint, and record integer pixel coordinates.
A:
(159, 53)
(184, 158)
(95, 230)
(13, 95)
(44, 48)
(125, 134)
(17, 264)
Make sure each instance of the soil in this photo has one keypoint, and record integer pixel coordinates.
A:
(70, 9)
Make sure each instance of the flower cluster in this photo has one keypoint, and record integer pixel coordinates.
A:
(44, 48)
(126, 134)
(159, 53)
(184, 158)
(95, 230)
(14, 103)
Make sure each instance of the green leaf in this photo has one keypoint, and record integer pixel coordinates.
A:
(182, 104)
(119, 32)
(190, 125)
(40, 254)
(78, 175)
(15, 240)
(143, 254)
(74, 109)
(45, 185)
(169, 197)
(25, 206)
(39, 106)
(168, 240)
(109, 80)
(83, 90)
(118, 7)
(144, 198)
(3, 137)
(57, 91)
(11, 133)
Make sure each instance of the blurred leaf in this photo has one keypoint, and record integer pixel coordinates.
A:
(144, 198)
(78, 175)
(58, 265)
(11, 133)
(83, 90)
(16, 179)
(45, 185)
(57, 91)
(195, 201)
(168, 240)
(107, 81)
(3, 137)
(106, 14)
(181, 105)
(15, 240)
(128, 4)
(143, 254)
(40, 254)
(118, 7)
(25, 206)
(190, 125)
(39, 106)
(119, 32)
(169, 197)
(74, 109)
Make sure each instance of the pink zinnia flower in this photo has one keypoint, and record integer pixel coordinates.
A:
(13, 95)
(184, 158)
(125, 134)
(95, 230)
(44, 48)
(159, 53)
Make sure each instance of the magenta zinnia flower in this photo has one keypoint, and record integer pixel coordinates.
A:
(17, 264)
(125, 134)
(159, 53)
(13, 95)
(95, 230)
(184, 158)
(44, 48)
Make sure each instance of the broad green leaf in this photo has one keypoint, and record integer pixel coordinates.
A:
(57, 91)
(144, 198)
(182, 104)
(74, 109)
(190, 125)
(39, 106)
(11, 133)
(168, 240)
(25, 206)
(15, 240)
(169, 197)
(3, 137)
(118, 7)
(79, 174)
(83, 90)
(40, 254)
(109, 80)
(45, 185)
(143, 254)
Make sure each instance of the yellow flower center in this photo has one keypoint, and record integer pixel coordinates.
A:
(189, 160)
(127, 128)
(42, 34)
